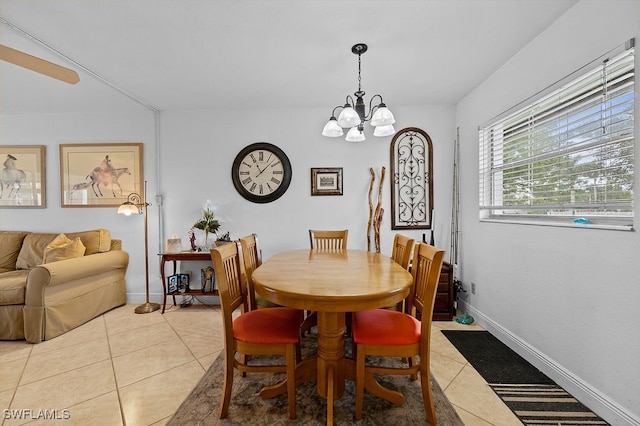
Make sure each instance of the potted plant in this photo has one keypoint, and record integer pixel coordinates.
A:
(207, 223)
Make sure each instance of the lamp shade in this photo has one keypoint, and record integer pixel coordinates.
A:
(355, 135)
(384, 130)
(348, 118)
(382, 116)
(128, 208)
(331, 129)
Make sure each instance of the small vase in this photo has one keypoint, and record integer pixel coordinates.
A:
(205, 240)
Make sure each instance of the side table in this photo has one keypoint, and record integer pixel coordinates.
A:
(183, 256)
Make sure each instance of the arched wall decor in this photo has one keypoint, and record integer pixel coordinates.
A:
(411, 179)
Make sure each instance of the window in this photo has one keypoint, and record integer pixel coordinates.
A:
(567, 156)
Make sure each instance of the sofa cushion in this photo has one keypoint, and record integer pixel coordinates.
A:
(96, 241)
(12, 287)
(10, 241)
(62, 248)
(34, 244)
(32, 250)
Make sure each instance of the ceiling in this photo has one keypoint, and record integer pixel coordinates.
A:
(199, 54)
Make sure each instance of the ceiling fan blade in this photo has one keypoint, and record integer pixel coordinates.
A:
(38, 65)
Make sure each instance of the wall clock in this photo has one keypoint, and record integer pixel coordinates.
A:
(261, 172)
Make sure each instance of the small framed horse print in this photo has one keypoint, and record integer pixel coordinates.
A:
(22, 182)
(100, 175)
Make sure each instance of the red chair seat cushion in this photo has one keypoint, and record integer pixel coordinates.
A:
(268, 326)
(384, 327)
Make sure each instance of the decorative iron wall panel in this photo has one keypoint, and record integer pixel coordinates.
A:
(411, 179)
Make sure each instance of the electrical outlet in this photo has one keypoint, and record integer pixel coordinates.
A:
(473, 288)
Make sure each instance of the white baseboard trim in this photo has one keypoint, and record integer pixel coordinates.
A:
(596, 401)
(139, 298)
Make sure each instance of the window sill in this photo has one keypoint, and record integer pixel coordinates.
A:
(550, 222)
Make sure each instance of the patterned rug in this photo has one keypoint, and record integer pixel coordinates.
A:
(201, 406)
(529, 393)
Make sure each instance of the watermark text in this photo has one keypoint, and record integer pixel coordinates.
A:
(39, 414)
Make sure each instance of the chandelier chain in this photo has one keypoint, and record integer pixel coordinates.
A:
(359, 78)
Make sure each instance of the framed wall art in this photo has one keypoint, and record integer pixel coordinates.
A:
(411, 179)
(326, 181)
(100, 175)
(22, 179)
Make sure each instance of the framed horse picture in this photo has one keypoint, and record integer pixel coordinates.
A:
(99, 175)
(22, 183)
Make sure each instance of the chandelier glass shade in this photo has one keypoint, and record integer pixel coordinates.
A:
(353, 115)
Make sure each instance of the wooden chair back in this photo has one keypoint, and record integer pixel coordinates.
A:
(426, 267)
(328, 240)
(252, 258)
(232, 291)
(401, 253)
(402, 250)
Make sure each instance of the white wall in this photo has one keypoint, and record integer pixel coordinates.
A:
(52, 130)
(564, 298)
(198, 148)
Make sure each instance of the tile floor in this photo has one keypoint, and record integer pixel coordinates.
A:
(127, 369)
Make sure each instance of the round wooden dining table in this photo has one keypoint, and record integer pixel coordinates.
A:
(332, 283)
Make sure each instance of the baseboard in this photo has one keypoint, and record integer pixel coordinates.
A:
(596, 401)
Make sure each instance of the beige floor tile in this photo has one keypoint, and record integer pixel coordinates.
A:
(139, 338)
(158, 397)
(470, 392)
(93, 329)
(11, 350)
(202, 344)
(444, 369)
(5, 399)
(207, 361)
(65, 390)
(453, 325)
(125, 319)
(162, 422)
(150, 361)
(193, 318)
(102, 410)
(471, 420)
(10, 373)
(441, 345)
(65, 359)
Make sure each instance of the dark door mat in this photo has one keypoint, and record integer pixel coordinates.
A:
(494, 360)
(529, 393)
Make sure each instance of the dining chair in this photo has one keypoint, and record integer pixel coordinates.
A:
(401, 252)
(253, 332)
(328, 240)
(252, 258)
(323, 240)
(382, 332)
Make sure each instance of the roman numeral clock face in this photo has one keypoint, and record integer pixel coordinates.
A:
(261, 172)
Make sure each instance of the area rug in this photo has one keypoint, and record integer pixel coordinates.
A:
(201, 406)
(529, 393)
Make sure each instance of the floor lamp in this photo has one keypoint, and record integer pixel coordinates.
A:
(138, 205)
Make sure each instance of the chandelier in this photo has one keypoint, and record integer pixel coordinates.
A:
(353, 114)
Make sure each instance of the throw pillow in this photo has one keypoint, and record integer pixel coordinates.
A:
(62, 248)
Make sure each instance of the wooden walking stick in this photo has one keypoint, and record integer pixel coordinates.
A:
(370, 223)
(377, 216)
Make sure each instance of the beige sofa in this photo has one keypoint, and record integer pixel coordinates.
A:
(83, 277)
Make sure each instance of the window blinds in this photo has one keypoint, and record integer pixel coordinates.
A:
(568, 153)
